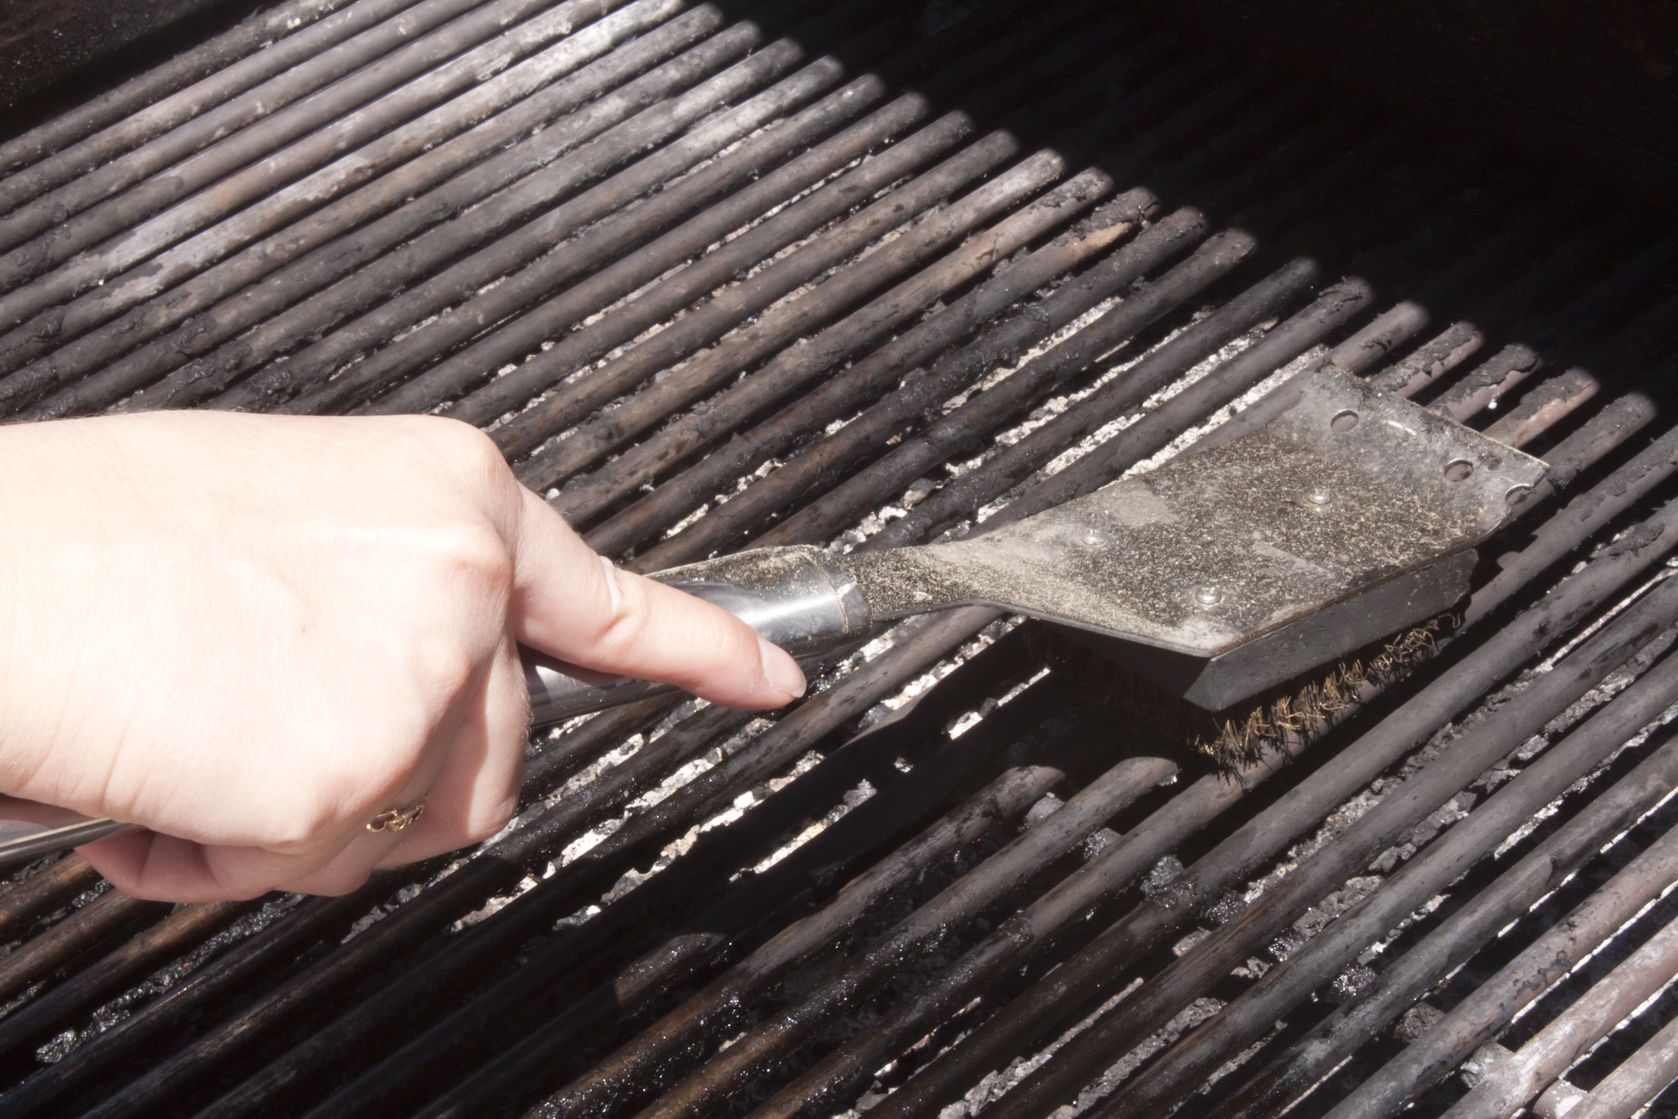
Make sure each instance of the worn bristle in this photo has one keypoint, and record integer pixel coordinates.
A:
(1241, 735)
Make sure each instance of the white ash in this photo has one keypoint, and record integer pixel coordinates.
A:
(966, 722)
(1092, 1094)
(932, 675)
(97, 889)
(1161, 877)
(1097, 842)
(871, 523)
(1112, 427)
(1284, 946)
(1208, 1091)
(739, 485)
(857, 796)
(701, 764)
(856, 260)
(1225, 907)
(682, 525)
(792, 200)
(582, 844)
(1188, 940)
(670, 784)
(667, 857)
(875, 520)
(1585, 783)
(577, 919)
(1320, 915)
(1004, 370)
(1239, 404)
(995, 1084)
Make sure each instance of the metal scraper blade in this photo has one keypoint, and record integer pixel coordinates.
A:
(1349, 515)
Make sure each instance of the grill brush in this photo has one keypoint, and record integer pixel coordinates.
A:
(1263, 553)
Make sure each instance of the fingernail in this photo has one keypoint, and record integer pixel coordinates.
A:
(781, 670)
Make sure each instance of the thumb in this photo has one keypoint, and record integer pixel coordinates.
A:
(575, 605)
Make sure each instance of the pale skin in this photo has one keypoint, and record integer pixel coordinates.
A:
(253, 634)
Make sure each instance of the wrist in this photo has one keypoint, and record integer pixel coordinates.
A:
(15, 518)
(27, 513)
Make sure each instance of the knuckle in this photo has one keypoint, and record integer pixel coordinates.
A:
(468, 461)
(302, 805)
(470, 550)
(467, 447)
(305, 821)
(446, 432)
(441, 667)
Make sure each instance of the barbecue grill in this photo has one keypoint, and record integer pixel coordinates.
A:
(724, 274)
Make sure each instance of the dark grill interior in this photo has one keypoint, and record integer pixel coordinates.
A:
(718, 275)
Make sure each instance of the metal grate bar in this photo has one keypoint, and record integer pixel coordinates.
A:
(204, 230)
(152, 104)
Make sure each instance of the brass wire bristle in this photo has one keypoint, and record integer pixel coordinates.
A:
(1239, 737)
(1310, 708)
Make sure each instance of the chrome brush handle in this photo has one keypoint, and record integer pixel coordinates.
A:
(799, 598)
(29, 830)
(802, 599)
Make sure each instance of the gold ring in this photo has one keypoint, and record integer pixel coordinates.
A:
(395, 819)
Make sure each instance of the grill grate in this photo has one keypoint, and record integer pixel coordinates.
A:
(728, 274)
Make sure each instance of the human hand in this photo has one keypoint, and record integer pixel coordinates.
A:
(253, 634)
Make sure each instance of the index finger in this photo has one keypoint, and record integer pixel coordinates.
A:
(575, 605)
